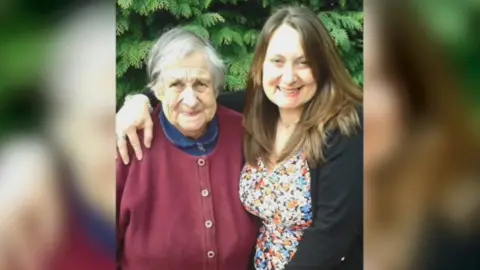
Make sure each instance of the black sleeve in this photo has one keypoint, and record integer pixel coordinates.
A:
(231, 100)
(338, 218)
(151, 97)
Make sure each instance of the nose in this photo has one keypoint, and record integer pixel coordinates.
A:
(189, 97)
(288, 75)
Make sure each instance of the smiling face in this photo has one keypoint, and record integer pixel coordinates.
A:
(187, 94)
(287, 79)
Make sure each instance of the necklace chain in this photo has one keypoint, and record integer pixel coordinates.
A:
(287, 125)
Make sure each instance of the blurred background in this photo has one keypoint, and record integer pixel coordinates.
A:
(422, 110)
(422, 143)
(57, 109)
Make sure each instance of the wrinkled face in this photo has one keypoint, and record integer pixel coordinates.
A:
(287, 78)
(187, 94)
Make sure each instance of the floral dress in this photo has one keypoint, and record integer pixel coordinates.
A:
(281, 199)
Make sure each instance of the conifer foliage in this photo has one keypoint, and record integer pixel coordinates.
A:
(231, 25)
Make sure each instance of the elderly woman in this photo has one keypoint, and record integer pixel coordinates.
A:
(303, 146)
(179, 207)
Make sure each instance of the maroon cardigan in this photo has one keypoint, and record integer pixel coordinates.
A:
(177, 211)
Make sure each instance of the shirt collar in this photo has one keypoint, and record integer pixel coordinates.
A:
(179, 140)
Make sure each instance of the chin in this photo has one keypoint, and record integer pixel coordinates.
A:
(289, 107)
(193, 128)
(282, 104)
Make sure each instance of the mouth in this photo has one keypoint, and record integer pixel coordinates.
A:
(289, 91)
(190, 114)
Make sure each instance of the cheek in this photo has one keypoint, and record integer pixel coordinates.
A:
(310, 85)
(307, 78)
(171, 100)
(270, 76)
(170, 96)
(209, 101)
(169, 106)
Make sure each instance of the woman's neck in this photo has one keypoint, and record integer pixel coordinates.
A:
(289, 116)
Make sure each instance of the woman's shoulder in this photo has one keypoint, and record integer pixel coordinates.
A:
(230, 124)
(342, 143)
(355, 131)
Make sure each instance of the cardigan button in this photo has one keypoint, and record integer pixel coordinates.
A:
(204, 193)
(211, 254)
(343, 259)
(208, 224)
(201, 162)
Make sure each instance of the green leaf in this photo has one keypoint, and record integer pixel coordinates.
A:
(315, 5)
(209, 19)
(196, 11)
(340, 37)
(235, 83)
(265, 3)
(184, 10)
(354, 62)
(352, 21)
(122, 25)
(147, 7)
(241, 64)
(197, 29)
(206, 3)
(135, 52)
(227, 36)
(233, 17)
(122, 67)
(250, 37)
(125, 4)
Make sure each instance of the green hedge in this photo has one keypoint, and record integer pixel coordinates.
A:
(231, 25)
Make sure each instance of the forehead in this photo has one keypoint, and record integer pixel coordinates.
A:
(193, 65)
(285, 41)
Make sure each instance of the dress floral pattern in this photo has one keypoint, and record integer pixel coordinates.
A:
(281, 199)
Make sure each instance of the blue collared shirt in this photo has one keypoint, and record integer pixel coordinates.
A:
(200, 147)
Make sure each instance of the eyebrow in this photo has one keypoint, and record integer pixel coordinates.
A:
(192, 78)
(279, 55)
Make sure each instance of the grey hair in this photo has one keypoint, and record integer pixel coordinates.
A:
(179, 43)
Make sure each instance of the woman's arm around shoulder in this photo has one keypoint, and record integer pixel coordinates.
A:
(232, 100)
(338, 216)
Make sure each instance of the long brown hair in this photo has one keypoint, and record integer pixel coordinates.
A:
(333, 106)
